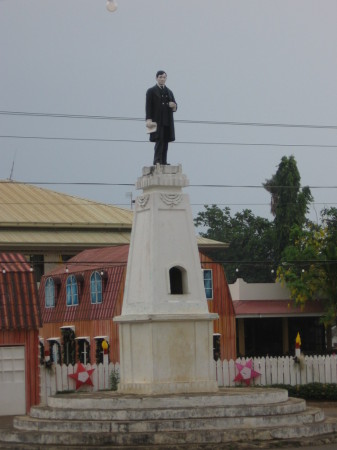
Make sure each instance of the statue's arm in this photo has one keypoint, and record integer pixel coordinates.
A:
(148, 105)
(172, 103)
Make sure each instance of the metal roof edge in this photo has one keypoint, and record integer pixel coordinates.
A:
(276, 315)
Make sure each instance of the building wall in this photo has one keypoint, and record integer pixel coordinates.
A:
(241, 290)
(30, 340)
(222, 305)
(55, 318)
(89, 328)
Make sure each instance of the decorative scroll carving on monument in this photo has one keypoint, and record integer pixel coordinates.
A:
(171, 199)
(142, 200)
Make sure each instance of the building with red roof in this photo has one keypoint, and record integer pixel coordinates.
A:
(79, 300)
(268, 320)
(20, 320)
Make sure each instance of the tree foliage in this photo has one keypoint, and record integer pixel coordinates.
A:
(250, 240)
(309, 264)
(289, 202)
(305, 253)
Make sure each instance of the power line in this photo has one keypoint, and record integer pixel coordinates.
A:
(66, 183)
(95, 203)
(69, 263)
(138, 119)
(55, 138)
(141, 141)
(258, 186)
(232, 186)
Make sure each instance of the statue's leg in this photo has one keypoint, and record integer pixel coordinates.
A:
(164, 152)
(158, 148)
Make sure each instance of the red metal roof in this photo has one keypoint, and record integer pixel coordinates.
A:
(273, 308)
(13, 262)
(19, 305)
(96, 258)
(111, 260)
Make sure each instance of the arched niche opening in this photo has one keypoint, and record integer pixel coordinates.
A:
(178, 280)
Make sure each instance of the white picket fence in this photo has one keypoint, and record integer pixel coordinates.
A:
(56, 379)
(282, 370)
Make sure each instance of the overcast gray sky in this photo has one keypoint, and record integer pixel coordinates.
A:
(252, 61)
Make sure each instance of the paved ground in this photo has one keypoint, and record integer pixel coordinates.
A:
(330, 410)
(6, 422)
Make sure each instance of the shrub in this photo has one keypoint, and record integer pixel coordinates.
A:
(114, 380)
(311, 391)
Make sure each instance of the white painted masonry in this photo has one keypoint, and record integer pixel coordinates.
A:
(165, 331)
(241, 290)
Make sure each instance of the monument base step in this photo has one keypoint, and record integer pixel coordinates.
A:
(232, 417)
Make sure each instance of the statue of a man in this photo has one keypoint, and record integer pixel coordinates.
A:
(159, 108)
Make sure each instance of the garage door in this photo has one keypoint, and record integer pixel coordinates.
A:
(12, 381)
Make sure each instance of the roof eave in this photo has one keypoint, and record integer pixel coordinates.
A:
(64, 226)
(274, 316)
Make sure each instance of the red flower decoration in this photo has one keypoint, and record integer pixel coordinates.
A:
(246, 372)
(82, 376)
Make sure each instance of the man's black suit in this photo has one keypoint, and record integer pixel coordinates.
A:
(157, 109)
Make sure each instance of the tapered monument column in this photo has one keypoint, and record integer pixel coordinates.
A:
(166, 331)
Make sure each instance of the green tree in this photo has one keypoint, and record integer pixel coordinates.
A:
(250, 240)
(309, 264)
(289, 202)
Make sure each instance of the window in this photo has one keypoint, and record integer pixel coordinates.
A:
(83, 348)
(208, 283)
(68, 345)
(96, 288)
(54, 350)
(72, 291)
(42, 352)
(99, 349)
(37, 262)
(216, 346)
(50, 293)
(178, 280)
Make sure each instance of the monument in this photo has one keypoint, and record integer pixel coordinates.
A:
(166, 331)
(168, 396)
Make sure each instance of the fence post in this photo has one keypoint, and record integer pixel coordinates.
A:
(225, 365)
(262, 370)
(333, 369)
(231, 372)
(309, 368)
(286, 370)
(315, 370)
(280, 370)
(328, 369)
(273, 366)
(219, 374)
(94, 377)
(292, 372)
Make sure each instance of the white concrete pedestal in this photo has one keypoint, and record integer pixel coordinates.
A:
(166, 331)
(167, 354)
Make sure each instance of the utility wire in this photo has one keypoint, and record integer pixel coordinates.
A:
(301, 262)
(138, 119)
(232, 186)
(95, 203)
(138, 141)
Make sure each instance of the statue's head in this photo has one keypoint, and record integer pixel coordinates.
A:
(160, 72)
(161, 77)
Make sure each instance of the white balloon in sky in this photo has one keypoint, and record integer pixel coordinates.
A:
(111, 5)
